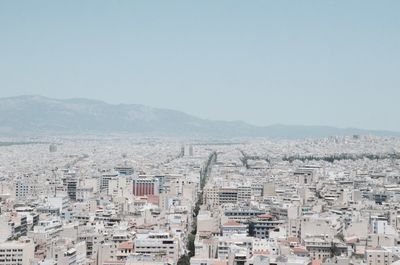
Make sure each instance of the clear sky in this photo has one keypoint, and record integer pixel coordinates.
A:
(290, 62)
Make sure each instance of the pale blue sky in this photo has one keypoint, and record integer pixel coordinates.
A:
(292, 62)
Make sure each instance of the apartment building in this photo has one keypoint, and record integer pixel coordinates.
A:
(145, 186)
(379, 256)
(157, 244)
(19, 252)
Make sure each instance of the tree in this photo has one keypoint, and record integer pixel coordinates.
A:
(184, 260)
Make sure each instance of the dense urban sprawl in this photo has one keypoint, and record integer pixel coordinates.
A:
(137, 201)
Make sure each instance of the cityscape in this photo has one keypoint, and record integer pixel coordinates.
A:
(123, 200)
(199, 132)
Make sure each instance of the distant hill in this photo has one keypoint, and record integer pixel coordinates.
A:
(31, 115)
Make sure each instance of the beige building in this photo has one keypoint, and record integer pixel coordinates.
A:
(19, 252)
(378, 256)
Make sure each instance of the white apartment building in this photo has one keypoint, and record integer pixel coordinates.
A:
(22, 190)
(12, 226)
(232, 227)
(17, 252)
(244, 193)
(66, 253)
(105, 179)
(46, 229)
(157, 244)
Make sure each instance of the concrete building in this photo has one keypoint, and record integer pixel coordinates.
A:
(379, 256)
(157, 244)
(145, 186)
(19, 252)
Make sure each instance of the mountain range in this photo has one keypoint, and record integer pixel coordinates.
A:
(36, 115)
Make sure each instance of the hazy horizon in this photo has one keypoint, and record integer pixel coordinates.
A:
(296, 63)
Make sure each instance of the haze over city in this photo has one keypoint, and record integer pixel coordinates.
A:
(264, 62)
